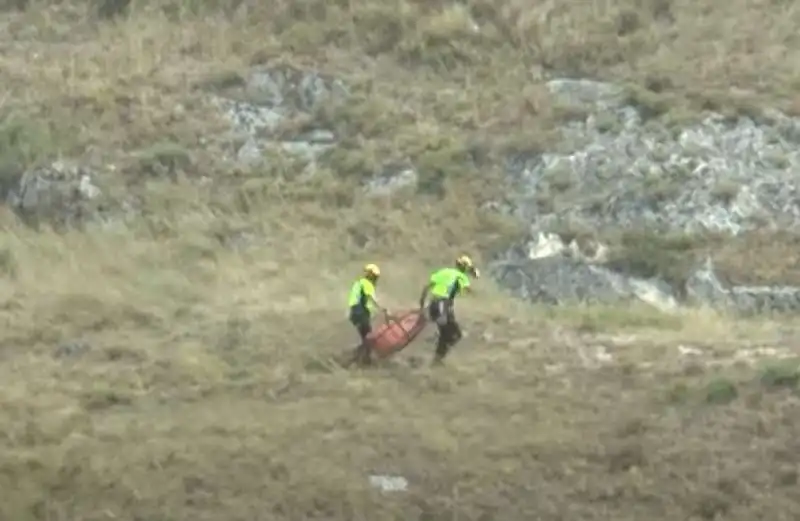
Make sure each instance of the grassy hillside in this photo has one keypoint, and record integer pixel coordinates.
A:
(153, 371)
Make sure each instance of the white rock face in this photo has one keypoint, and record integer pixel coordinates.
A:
(622, 172)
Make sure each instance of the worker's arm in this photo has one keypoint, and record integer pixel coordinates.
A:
(374, 300)
(425, 290)
(464, 284)
(378, 304)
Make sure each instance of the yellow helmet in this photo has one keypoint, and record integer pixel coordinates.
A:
(464, 262)
(372, 270)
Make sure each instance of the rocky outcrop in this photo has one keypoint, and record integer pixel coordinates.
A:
(717, 175)
(272, 116)
(549, 271)
(619, 171)
(268, 99)
(553, 273)
(614, 169)
(61, 194)
(704, 287)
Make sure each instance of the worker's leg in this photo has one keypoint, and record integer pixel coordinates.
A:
(436, 313)
(361, 321)
(455, 331)
(363, 353)
(449, 335)
(442, 345)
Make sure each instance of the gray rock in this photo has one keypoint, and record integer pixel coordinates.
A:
(276, 94)
(273, 96)
(304, 149)
(392, 179)
(584, 94)
(388, 483)
(766, 299)
(705, 288)
(713, 176)
(319, 137)
(292, 88)
(248, 119)
(560, 277)
(62, 194)
(544, 272)
(562, 281)
(613, 171)
(71, 348)
(250, 153)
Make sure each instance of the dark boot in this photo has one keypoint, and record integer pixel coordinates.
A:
(442, 347)
(363, 355)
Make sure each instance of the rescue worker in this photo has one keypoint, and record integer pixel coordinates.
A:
(363, 303)
(443, 286)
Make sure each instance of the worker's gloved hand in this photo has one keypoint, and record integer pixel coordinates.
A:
(477, 273)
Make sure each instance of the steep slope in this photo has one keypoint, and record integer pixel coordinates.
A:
(142, 386)
(172, 308)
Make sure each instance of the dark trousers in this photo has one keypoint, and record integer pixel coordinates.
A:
(442, 312)
(362, 321)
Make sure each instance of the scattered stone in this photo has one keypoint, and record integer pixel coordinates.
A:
(389, 483)
(392, 179)
(62, 194)
(249, 119)
(288, 87)
(164, 160)
(582, 94)
(71, 348)
(689, 351)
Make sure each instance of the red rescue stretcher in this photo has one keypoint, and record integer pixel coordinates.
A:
(397, 332)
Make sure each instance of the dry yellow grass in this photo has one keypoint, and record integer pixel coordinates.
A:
(152, 373)
(172, 379)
